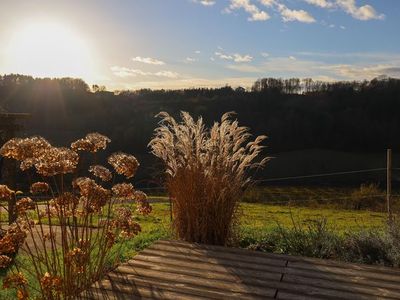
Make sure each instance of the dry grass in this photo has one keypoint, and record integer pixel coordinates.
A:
(207, 173)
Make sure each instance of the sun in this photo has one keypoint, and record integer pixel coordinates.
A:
(49, 50)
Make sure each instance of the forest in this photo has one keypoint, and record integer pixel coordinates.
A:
(340, 125)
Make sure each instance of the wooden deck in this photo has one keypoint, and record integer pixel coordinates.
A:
(179, 270)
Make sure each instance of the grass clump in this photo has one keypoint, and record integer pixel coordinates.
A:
(207, 173)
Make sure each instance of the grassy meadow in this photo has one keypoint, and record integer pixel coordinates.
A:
(256, 221)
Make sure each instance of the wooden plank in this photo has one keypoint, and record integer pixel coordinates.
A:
(353, 278)
(228, 275)
(294, 296)
(342, 286)
(213, 261)
(214, 268)
(267, 291)
(316, 261)
(189, 289)
(349, 272)
(217, 255)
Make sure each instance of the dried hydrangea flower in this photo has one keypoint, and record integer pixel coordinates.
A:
(5, 261)
(92, 142)
(12, 239)
(76, 259)
(56, 161)
(102, 172)
(94, 195)
(143, 205)
(124, 164)
(110, 239)
(27, 148)
(39, 187)
(25, 204)
(5, 193)
(51, 284)
(16, 280)
(125, 223)
(123, 190)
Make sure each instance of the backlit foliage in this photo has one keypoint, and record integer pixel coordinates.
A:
(69, 238)
(207, 172)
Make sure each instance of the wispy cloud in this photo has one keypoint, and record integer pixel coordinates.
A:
(128, 72)
(148, 60)
(242, 58)
(290, 15)
(255, 13)
(321, 3)
(364, 12)
(236, 57)
(205, 2)
(305, 66)
(189, 60)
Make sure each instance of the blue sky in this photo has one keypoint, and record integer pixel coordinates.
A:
(186, 43)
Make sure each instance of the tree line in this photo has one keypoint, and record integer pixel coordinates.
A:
(295, 113)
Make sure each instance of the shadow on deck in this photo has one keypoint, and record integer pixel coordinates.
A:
(180, 270)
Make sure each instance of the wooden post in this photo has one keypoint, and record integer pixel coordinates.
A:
(388, 180)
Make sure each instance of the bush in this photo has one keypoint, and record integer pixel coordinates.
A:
(368, 196)
(315, 238)
(73, 235)
(206, 174)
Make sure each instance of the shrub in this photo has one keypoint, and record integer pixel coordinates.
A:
(314, 238)
(73, 235)
(368, 196)
(207, 172)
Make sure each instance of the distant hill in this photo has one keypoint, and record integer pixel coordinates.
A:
(356, 117)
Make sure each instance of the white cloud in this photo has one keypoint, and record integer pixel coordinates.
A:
(255, 13)
(197, 52)
(236, 57)
(290, 15)
(246, 68)
(321, 3)
(190, 60)
(223, 56)
(268, 2)
(148, 60)
(128, 72)
(205, 2)
(292, 58)
(242, 58)
(122, 71)
(365, 12)
(168, 74)
(264, 54)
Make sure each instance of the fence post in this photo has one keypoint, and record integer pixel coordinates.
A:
(388, 179)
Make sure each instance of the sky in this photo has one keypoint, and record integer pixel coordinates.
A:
(133, 44)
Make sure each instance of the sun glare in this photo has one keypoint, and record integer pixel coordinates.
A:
(49, 50)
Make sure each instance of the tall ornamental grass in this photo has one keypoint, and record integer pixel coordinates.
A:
(72, 237)
(207, 173)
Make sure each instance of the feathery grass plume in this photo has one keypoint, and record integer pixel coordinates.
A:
(207, 172)
(76, 235)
